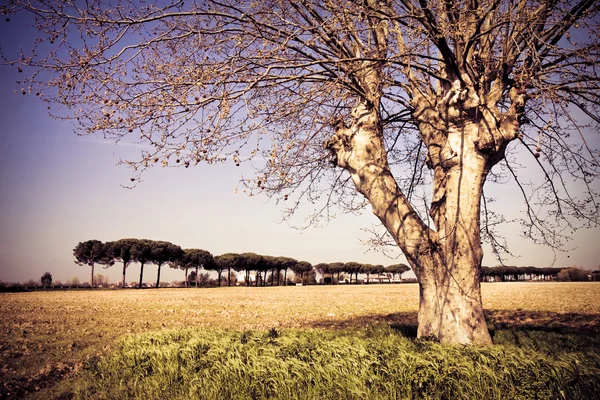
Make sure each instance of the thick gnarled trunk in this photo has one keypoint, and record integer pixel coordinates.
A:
(446, 261)
(450, 305)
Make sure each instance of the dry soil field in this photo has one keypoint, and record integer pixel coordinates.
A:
(48, 338)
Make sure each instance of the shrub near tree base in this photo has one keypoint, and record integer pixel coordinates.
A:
(370, 363)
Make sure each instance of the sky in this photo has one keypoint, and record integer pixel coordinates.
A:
(58, 188)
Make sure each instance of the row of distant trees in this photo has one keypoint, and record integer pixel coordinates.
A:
(354, 268)
(126, 251)
(305, 272)
(263, 268)
(513, 273)
(267, 272)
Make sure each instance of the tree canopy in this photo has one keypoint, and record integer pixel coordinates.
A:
(254, 262)
(193, 258)
(397, 269)
(121, 250)
(301, 268)
(141, 252)
(92, 252)
(229, 261)
(162, 252)
(46, 279)
(218, 267)
(417, 104)
(185, 262)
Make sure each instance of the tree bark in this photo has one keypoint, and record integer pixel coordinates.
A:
(124, 269)
(446, 261)
(450, 301)
(158, 276)
(141, 275)
(92, 277)
(450, 304)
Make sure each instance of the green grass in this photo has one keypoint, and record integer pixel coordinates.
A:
(375, 362)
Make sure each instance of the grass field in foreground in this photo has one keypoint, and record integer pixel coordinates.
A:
(48, 339)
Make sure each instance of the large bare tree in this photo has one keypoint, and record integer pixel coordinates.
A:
(410, 100)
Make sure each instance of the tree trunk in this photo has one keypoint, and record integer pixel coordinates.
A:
(158, 276)
(285, 277)
(196, 280)
(141, 275)
(229, 277)
(92, 277)
(446, 262)
(219, 274)
(450, 307)
(186, 283)
(124, 270)
(450, 302)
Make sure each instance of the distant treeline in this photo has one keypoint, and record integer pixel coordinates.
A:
(513, 273)
(258, 269)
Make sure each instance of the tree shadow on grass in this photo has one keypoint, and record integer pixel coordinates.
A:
(400, 321)
(565, 323)
(546, 332)
(498, 320)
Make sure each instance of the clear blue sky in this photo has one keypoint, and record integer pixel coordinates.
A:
(57, 189)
